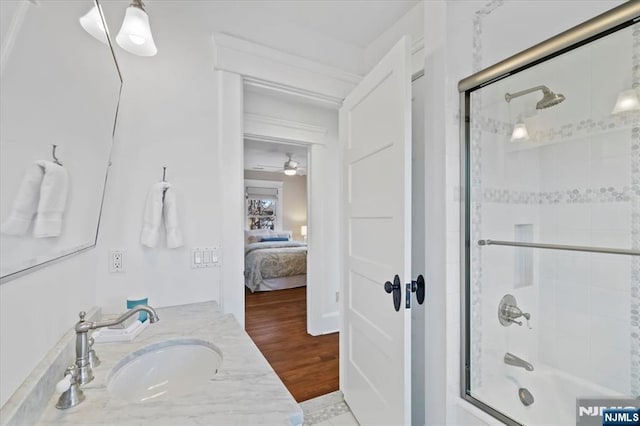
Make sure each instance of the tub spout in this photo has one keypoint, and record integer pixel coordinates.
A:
(511, 359)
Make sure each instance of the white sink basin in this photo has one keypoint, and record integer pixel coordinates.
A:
(164, 370)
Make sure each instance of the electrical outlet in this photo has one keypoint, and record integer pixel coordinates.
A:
(116, 261)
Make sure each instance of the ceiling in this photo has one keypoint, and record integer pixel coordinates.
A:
(357, 22)
(331, 32)
(270, 157)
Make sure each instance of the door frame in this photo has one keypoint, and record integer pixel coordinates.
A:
(260, 128)
(241, 63)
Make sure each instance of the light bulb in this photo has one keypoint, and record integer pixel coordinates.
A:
(520, 132)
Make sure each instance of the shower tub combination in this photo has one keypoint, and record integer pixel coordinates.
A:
(554, 393)
(551, 224)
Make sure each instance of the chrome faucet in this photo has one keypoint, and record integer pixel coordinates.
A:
(511, 359)
(83, 359)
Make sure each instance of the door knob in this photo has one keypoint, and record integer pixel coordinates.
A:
(418, 287)
(396, 289)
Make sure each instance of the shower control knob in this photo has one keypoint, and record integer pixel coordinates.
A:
(509, 312)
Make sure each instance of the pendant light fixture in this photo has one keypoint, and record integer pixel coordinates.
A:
(290, 166)
(627, 101)
(135, 34)
(92, 23)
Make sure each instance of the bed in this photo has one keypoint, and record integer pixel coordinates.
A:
(273, 261)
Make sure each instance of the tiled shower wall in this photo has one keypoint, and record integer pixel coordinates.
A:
(577, 182)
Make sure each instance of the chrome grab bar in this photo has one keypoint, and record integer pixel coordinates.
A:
(628, 252)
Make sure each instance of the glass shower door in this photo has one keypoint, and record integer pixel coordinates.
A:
(553, 230)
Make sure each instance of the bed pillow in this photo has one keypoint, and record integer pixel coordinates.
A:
(254, 235)
(269, 239)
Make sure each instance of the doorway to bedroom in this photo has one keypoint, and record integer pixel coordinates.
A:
(276, 211)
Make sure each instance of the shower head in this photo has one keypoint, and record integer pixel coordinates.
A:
(549, 98)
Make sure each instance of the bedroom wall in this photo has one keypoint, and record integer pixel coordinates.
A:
(294, 203)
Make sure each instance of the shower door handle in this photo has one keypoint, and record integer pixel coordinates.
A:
(396, 290)
(418, 287)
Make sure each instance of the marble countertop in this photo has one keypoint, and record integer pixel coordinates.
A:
(246, 390)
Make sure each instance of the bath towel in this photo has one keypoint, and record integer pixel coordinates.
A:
(161, 201)
(53, 198)
(171, 224)
(43, 194)
(153, 215)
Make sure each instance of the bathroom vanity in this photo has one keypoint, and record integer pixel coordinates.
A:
(245, 390)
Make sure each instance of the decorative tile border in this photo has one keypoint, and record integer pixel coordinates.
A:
(568, 196)
(634, 307)
(582, 128)
(476, 207)
(323, 408)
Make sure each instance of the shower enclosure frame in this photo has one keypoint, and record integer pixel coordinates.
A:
(602, 25)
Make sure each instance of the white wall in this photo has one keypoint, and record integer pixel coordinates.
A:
(294, 200)
(36, 310)
(168, 117)
(323, 214)
(451, 55)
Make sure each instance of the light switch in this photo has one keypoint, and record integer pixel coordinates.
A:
(204, 257)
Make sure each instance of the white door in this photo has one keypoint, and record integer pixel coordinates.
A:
(375, 133)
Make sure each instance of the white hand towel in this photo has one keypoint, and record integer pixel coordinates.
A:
(153, 215)
(26, 202)
(171, 221)
(53, 199)
(43, 191)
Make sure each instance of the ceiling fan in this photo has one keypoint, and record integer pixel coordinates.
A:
(290, 166)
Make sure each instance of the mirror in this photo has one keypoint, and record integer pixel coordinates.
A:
(59, 88)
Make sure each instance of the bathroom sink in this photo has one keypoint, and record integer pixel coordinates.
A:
(164, 370)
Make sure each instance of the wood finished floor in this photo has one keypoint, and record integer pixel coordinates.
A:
(277, 323)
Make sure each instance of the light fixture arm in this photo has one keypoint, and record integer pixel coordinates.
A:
(137, 3)
(509, 96)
